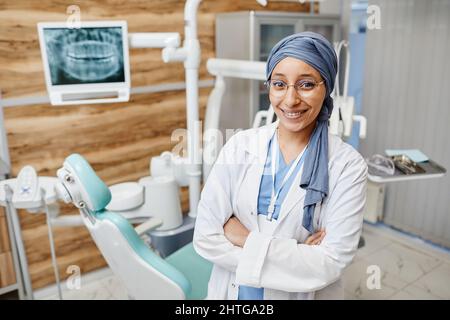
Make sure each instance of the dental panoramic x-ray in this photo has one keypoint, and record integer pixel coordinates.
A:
(89, 64)
(85, 55)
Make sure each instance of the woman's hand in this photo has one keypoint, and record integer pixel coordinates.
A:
(316, 238)
(235, 232)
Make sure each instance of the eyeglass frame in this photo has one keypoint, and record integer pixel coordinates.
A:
(268, 85)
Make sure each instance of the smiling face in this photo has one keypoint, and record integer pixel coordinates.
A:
(297, 113)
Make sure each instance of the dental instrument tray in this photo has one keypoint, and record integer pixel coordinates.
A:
(406, 170)
(406, 165)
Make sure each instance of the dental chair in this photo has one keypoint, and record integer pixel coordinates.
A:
(182, 275)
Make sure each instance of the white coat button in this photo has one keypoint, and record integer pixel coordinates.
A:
(233, 285)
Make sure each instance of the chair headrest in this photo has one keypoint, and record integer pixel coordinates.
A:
(83, 184)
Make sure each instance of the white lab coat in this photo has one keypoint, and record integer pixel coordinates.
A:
(279, 262)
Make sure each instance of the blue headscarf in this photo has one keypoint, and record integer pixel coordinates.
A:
(315, 50)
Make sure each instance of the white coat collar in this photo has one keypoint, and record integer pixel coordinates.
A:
(258, 143)
(257, 146)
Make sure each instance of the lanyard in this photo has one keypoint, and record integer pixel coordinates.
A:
(275, 195)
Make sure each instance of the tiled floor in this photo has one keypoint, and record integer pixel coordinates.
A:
(407, 267)
(103, 285)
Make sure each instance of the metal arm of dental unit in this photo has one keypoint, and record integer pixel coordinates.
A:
(342, 118)
(189, 54)
(221, 68)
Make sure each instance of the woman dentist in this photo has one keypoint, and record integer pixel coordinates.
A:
(280, 215)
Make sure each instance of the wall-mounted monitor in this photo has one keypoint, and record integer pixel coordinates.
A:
(89, 64)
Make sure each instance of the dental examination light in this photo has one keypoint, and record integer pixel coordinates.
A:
(89, 64)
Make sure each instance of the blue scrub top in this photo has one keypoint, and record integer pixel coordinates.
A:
(265, 193)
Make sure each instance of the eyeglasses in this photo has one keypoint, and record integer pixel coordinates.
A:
(304, 88)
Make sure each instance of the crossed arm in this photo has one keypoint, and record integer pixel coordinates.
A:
(237, 233)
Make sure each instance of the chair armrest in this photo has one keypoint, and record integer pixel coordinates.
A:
(150, 224)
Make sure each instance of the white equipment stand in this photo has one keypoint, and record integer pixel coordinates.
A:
(32, 193)
(16, 244)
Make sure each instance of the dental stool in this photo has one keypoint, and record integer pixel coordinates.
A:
(182, 275)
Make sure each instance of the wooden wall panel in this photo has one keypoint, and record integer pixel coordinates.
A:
(117, 139)
(43, 135)
(7, 276)
(4, 237)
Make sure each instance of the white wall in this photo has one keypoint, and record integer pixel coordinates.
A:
(341, 7)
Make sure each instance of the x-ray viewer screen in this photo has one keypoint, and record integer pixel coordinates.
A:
(85, 55)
